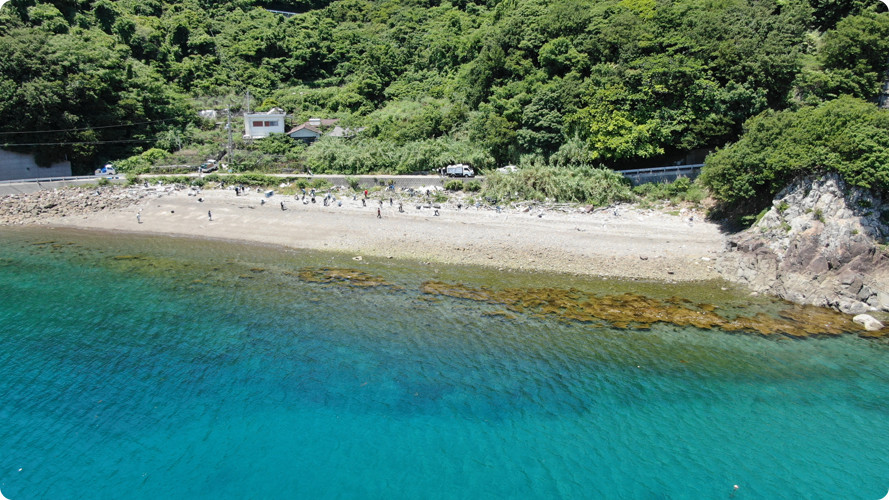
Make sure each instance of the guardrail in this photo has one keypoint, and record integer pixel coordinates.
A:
(662, 174)
(24, 186)
(282, 12)
(53, 179)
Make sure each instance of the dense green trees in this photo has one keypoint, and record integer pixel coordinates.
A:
(79, 86)
(846, 135)
(615, 83)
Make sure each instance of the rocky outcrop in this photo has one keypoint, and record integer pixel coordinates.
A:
(821, 243)
(41, 206)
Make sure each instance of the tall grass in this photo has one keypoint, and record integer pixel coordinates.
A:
(682, 189)
(579, 184)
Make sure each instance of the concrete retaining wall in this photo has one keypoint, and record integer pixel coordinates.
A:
(21, 166)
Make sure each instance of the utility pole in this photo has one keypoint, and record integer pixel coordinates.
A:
(248, 101)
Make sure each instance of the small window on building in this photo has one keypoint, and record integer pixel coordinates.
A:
(257, 123)
(273, 123)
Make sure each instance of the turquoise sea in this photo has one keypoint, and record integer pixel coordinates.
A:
(148, 367)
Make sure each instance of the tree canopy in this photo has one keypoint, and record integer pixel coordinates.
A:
(614, 83)
(846, 135)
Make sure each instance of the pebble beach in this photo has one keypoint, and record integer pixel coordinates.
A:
(622, 241)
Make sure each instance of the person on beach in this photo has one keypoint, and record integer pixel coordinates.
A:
(210, 215)
(379, 215)
(282, 206)
(363, 202)
(139, 217)
(365, 193)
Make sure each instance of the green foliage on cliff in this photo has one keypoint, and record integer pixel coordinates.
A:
(847, 135)
(557, 83)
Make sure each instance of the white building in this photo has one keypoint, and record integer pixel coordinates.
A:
(259, 125)
(21, 166)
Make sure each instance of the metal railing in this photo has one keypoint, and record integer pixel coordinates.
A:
(282, 12)
(53, 179)
(671, 173)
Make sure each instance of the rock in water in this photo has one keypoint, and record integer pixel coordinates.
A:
(869, 323)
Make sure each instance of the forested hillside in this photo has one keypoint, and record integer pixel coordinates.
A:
(617, 83)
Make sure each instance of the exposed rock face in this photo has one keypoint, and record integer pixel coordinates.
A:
(821, 243)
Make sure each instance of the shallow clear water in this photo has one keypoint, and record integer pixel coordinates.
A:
(136, 367)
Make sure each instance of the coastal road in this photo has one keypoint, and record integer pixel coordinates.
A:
(24, 186)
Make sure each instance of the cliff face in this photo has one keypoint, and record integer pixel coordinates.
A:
(821, 243)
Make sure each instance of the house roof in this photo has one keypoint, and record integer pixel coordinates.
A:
(250, 116)
(305, 126)
(315, 125)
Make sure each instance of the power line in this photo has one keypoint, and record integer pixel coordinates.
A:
(5, 145)
(86, 128)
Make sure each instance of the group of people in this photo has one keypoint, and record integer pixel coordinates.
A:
(309, 196)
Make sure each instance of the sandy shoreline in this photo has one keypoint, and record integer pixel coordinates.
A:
(621, 242)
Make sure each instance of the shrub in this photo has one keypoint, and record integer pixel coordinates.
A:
(682, 189)
(472, 186)
(454, 185)
(695, 194)
(749, 220)
(320, 184)
(579, 184)
(154, 155)
(848, 136)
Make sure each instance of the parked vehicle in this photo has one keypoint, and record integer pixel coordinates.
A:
(108, 169)
(208, 167)
(458, 170)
